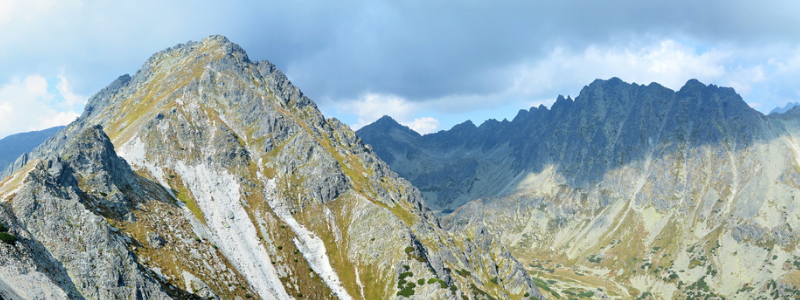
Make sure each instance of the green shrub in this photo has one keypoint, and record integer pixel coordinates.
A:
(407, 291)
(432, 280)
(7, 238)
(409, 250)
(421, 281)
(493, 280)
(406, 274)
(586, 294)
(3, 228)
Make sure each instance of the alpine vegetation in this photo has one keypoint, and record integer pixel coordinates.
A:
(208, 175)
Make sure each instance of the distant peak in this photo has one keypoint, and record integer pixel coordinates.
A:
(610, 81)
(466, 125)
(521, 115)
(615, 80)
(789, 106)
(693, 84)
(386, 119)
(385, 124)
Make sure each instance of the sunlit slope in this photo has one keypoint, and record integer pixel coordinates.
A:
(246, 190)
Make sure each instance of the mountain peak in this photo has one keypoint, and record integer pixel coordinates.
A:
(789, 106)
(387, 123)
(386, 119)
(692, 84)
(464, 126)
(230, 162)
(212, 48)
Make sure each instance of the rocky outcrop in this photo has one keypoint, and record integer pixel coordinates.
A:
(57, 204)
(230, 183)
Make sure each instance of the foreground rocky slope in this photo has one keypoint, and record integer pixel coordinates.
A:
(626, 191)
(209, 175)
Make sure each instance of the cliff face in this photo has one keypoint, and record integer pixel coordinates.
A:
(638, 190)
(210, 175)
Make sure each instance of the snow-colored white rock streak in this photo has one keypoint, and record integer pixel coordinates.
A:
(311, 246)
(134, 153)
(217, 195)
(358, 281)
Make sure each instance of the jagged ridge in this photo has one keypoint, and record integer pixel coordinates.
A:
(638, 190)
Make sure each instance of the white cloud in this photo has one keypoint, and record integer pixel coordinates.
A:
(70, 97)
(6, 112)
(424, 125)
(23, 9)
(667, 62)
(371, 106)
(60, 118)
(26, 104)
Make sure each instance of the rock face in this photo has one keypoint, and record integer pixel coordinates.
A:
(210, 175)
(638, 190)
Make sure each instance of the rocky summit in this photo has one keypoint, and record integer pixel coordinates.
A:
(208, 175)
(627, 191)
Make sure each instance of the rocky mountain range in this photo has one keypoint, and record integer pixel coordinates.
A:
(626, 191)
(208, 175)
(785, 108)
(12, 146)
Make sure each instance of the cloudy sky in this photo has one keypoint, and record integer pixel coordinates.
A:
(428, 64)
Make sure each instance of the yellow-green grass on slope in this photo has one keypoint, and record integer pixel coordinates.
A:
(184, 195)
(159, 216)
